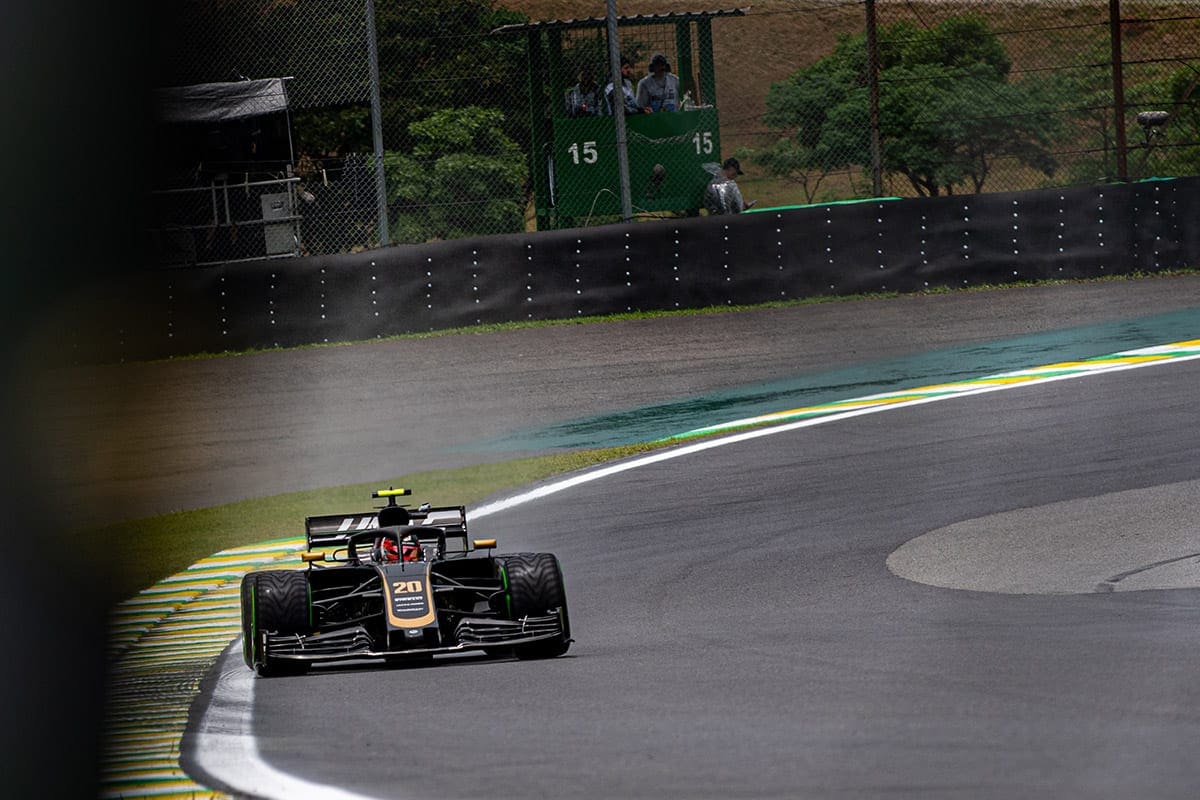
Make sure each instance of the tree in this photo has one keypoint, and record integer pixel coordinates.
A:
(1183, 89)
(440, 54)
(947, 110)
(824, 109)
(464, 176)
(1173, 147)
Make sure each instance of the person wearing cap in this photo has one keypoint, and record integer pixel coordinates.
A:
(659, 91)
(722, 196)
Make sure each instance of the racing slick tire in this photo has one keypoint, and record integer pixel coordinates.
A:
(535, 587)
(276, 601)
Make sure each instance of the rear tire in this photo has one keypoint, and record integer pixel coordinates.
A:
(535, 588)
(275, 601)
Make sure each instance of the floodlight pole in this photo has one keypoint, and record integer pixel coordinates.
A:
(377, 126)
(618, 109)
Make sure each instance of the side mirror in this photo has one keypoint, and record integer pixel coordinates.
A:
(309, 556)
(483, 544)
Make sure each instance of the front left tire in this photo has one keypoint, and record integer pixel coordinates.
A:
(277, 601)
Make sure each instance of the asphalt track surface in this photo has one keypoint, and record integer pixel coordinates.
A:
(134, 440)
(740, 633)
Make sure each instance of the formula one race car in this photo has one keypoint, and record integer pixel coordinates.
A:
(401, 584)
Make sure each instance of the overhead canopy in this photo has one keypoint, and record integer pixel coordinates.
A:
(220, 102)
(633, 20)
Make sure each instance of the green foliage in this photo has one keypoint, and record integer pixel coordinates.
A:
(331, 130)
(1170, 150)
(1087, 95)
(461, 65)
(957, 43)
(464, 176)
(1183, 89)
(938, 128)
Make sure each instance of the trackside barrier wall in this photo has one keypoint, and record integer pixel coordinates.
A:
(778, 254)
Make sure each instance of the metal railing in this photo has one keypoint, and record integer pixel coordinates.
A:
(225, 221)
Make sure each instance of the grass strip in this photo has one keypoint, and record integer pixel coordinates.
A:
(138, 552)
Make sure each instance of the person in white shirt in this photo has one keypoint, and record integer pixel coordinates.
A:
(659, 91)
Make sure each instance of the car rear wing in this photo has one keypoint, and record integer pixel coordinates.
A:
(335, 530)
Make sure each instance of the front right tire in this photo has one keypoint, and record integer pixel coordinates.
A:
(535, 588)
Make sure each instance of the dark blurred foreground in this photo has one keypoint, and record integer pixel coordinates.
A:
(73, 112)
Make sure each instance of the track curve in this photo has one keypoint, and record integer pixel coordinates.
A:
(740, 633)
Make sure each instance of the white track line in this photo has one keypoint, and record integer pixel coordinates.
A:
(226, 749)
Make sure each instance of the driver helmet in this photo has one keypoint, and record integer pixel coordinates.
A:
(388, 550)
(410, 547)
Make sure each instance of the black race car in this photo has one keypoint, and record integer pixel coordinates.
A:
(401, 584)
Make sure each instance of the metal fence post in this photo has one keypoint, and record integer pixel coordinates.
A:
(618, 108)
(377, 126)
(873, 90)
(1118, 78)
